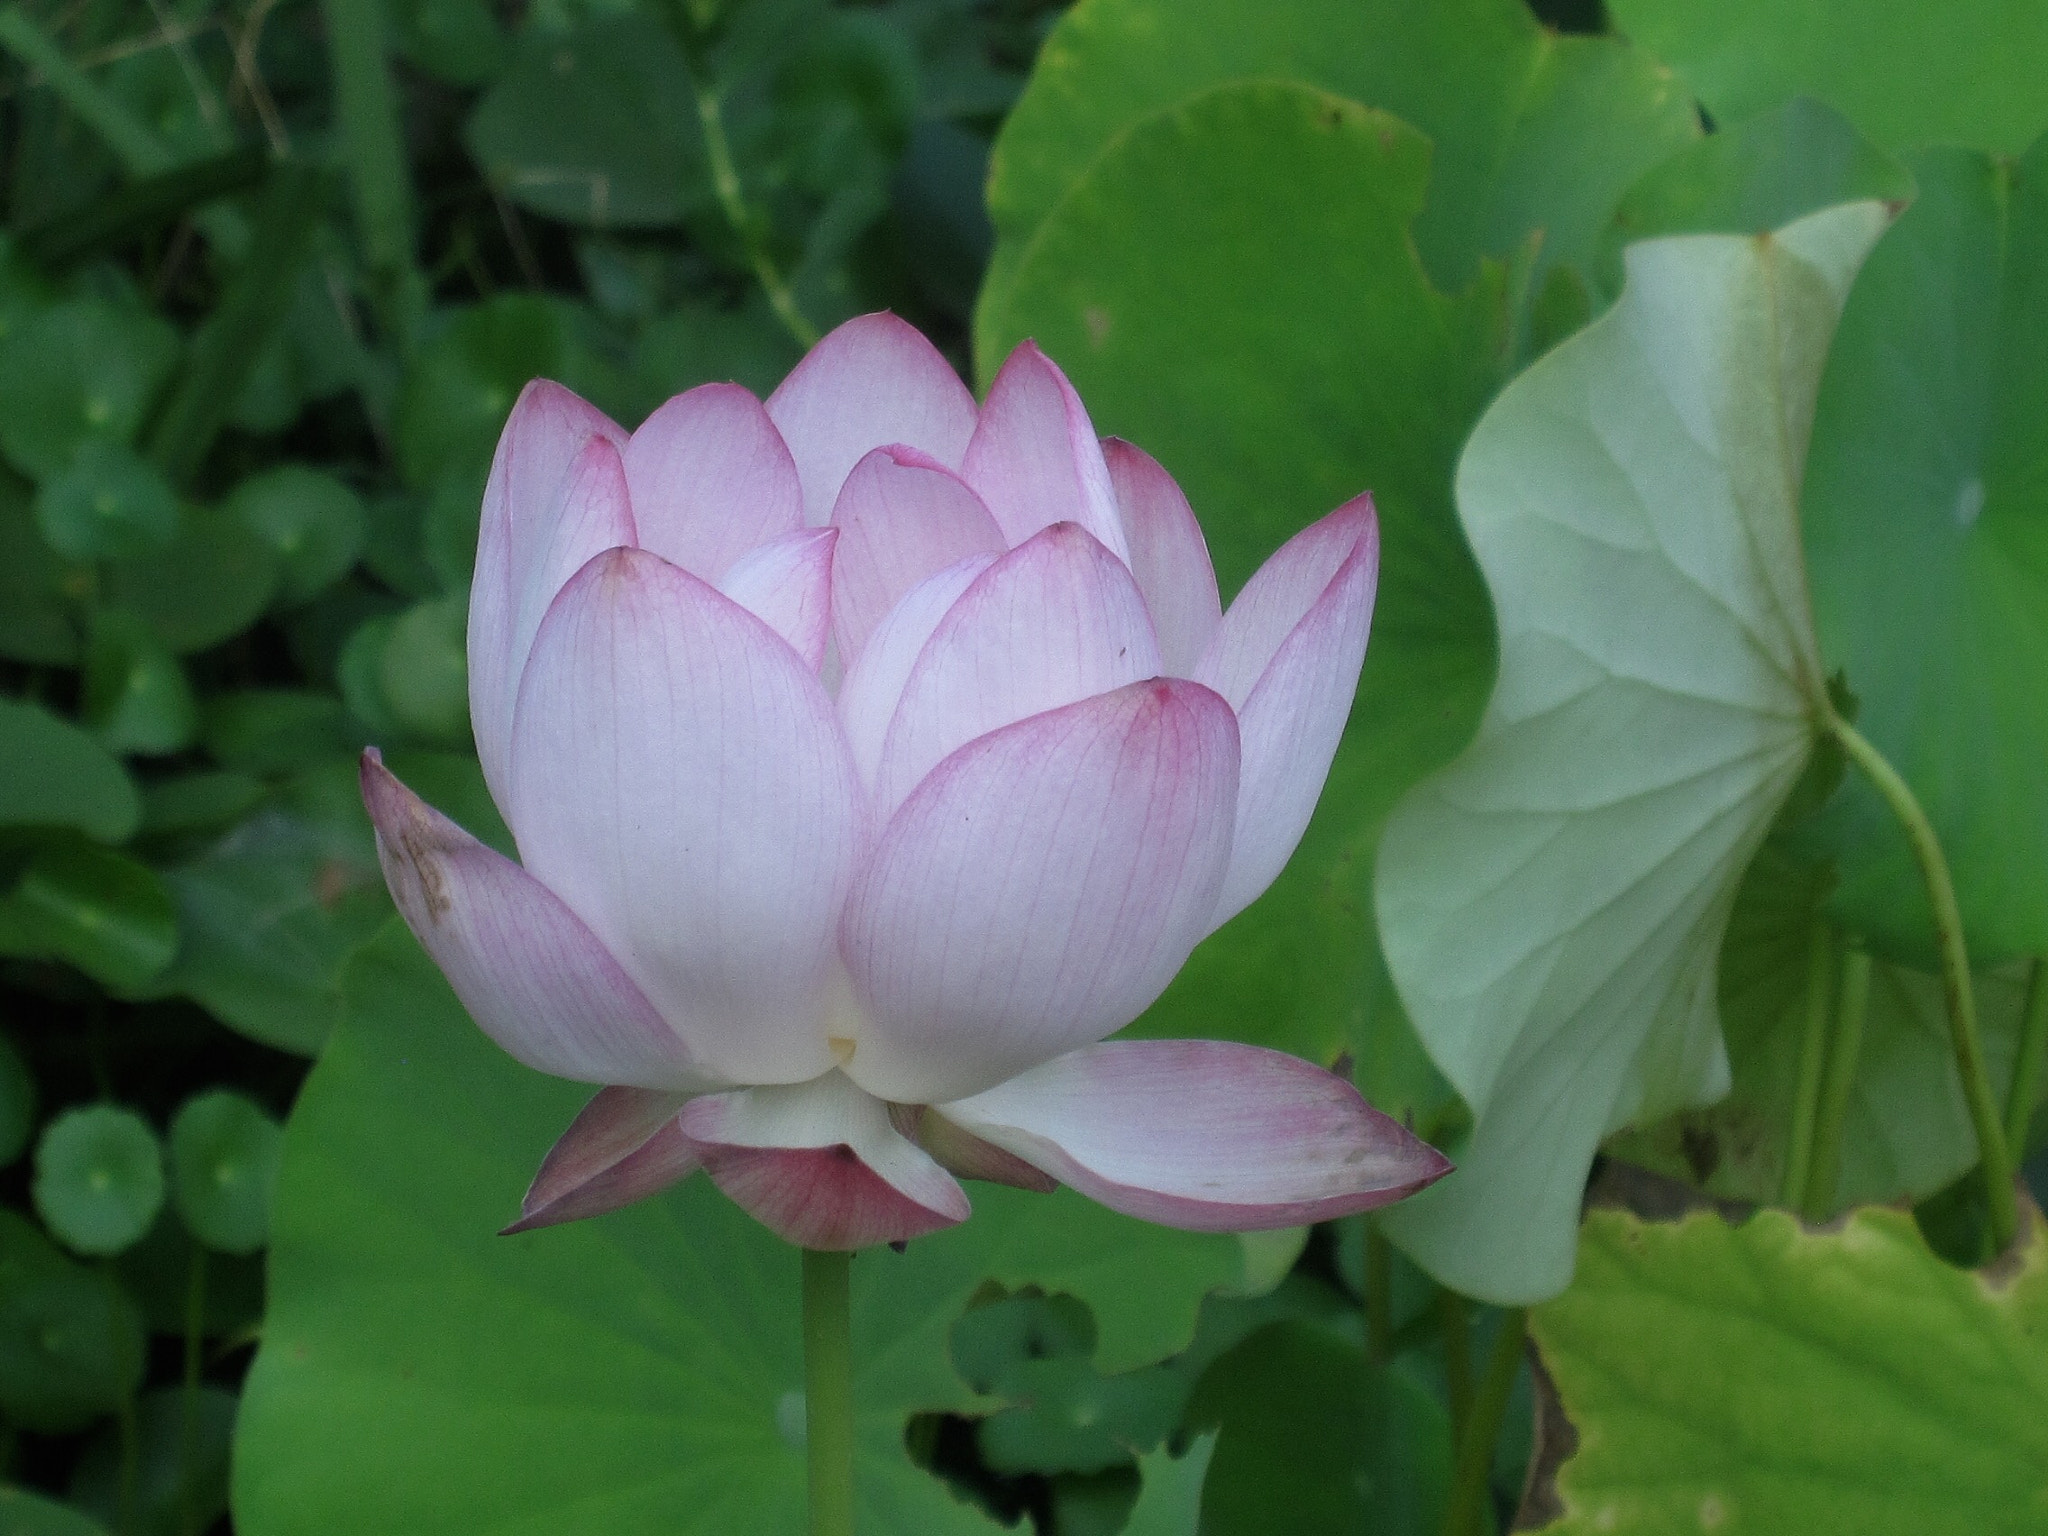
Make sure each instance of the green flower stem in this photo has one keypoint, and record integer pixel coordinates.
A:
(1463, 1515)
(1852, 1006)
(132, 140)
(188, 1418)
(2029, 1065)
(828, 1390)
(1995, 1158)
(725, 180)
(1457, 1360)
(1813, 1045)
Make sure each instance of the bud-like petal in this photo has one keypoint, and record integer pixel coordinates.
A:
(624, 1146)
(1169, 556)
(787, 585)
(711, 479)
(902, 516)
(1035, 459)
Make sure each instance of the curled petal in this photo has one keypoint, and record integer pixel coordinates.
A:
(623, 1147)
(1169, 556)
(819, 1164)
(1035, 459)
(872, 689)
(1287, 658)
(1055, 620)
(1039, 889)
(902, 516)
(682, 783)
(711, 479)
(787, 585)
(872, 381)
(1206, 1135)
(534, 978)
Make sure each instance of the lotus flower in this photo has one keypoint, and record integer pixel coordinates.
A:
(871, 759)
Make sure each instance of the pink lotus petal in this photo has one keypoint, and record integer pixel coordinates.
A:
(819, 1164)
(787, 585)
(1206, 1135)
(902, 516)
(1169, 556)
(1035, 460)
(1055, 620)
(874, 380)
(872, 689)
(711, 480)
(1039, 889)
(547, 431)
(682, 783)
(623, 1147)
(1287, 657)
(534, 978)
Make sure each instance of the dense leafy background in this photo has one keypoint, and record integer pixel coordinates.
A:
(271, 274)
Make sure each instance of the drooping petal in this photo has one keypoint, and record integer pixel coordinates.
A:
(711, 479)
(531, 974)
(1056, 620)
(624, 1146)
(1035, 459)
(819, 1164)
(681, 781)
(1206, 1135)
(1169, 556)
(902, 516)
(872, 689)
(787, 585)
(1039, 889)
(872, 381)
(1287, 658)
(548, 430)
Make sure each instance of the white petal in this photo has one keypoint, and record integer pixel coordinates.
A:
(902, 516)
(1035, 459)
(711, 480)
(1169, 556)
(787, 585)
(869, 695)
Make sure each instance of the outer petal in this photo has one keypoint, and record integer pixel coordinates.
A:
(872, 689)
(1169, 556)
(1040, 889)
(624, 1146)
(1055, 620)
(1035, 459)
(534, 978)
(873, 380)
(1203, 1134)
(711, 480)
(1287, 658)
(548, 429)
(902, 516)
(787, 585)
(682, 783)
(819, 1163)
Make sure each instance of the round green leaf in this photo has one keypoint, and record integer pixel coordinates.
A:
(213, 582)
(17, 1102)
(456, 41)
(458, 392)
(52, 774)
(209, 800)
(38, 590)
(1768, 1377)
(314, 523)
(77, 371)
(102, 911)
(108, 502)
(28, 1514)
(99, 1177)
(638, 1373)
(277, 730)
(423, 671)
(137, 698)
(224, 1151)
(177, 1481)
(71, 1342)
(1170, 1500)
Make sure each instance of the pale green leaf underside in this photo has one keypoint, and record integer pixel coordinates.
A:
(1552, 903)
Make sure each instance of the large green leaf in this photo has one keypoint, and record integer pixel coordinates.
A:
(1768, 1377)
(1533, 131)
(52, 774)
(1969, 72)
(1926, 512)
(1552, 903)
(1276, 343)
(637, 1373)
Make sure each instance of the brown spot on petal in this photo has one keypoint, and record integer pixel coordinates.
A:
(421, 850)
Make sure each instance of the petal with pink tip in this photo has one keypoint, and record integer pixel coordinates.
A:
(711, 479)
(624, 1146)
(787, 585)
(1039, 889)
(1206, 1135)
(544, 437)
(682, 783)
(902, 516)
(1169, 556)
(1056, 620)
(1035, 459)
(819, 1164)
(531, 974)
(1287, 658)
(872, 689)
(870, 382)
